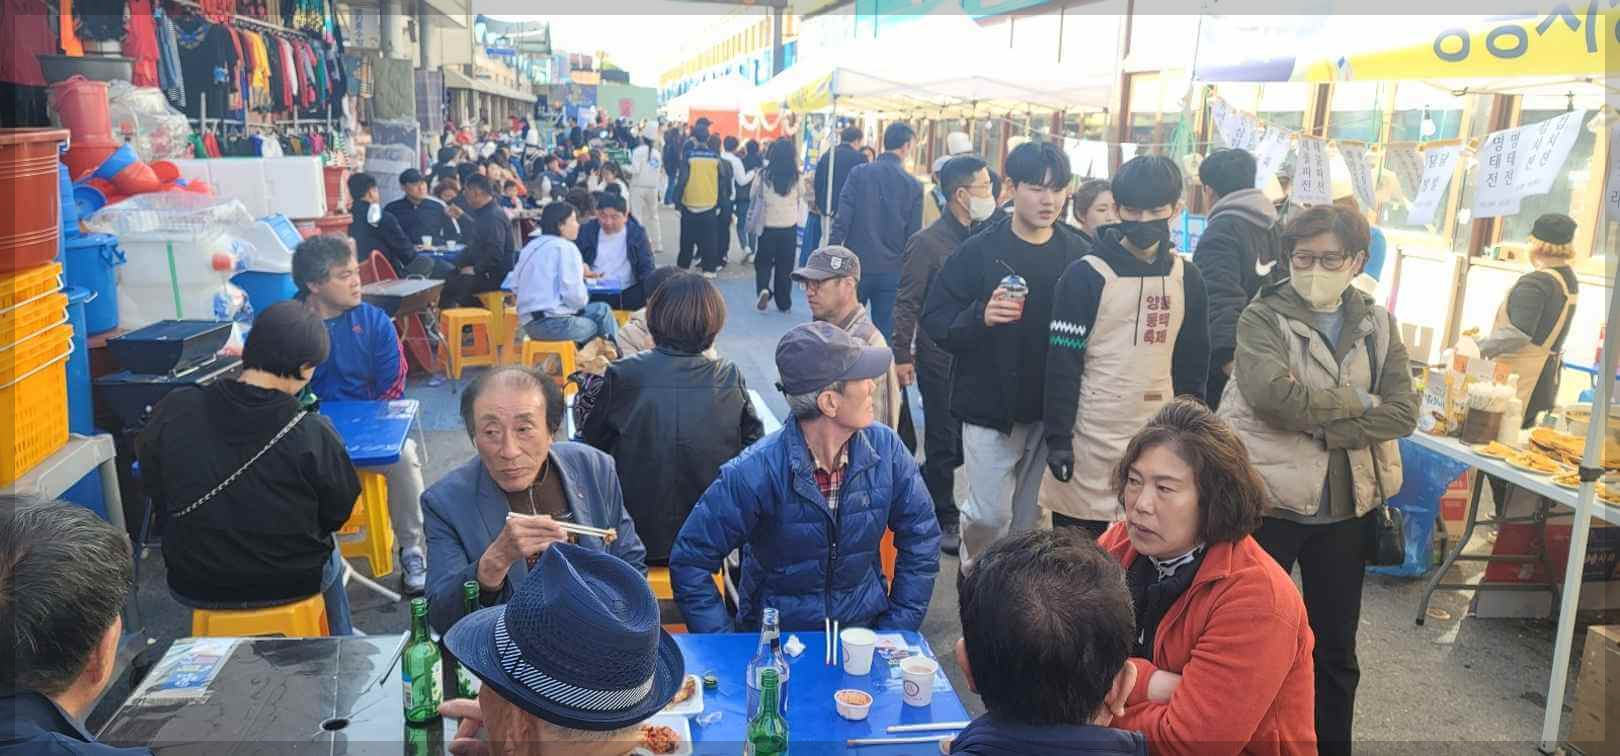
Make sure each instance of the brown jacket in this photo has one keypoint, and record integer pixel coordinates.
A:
(886, 394)
(926, 252)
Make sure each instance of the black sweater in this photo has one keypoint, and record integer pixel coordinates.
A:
(266, 536)
(1079, 293)
(999, 374)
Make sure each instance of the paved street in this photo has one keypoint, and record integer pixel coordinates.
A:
(1458, 685)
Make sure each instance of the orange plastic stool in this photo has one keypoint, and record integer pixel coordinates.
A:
(567, 355)
(375, 539)
(305, 618)
(452, 323)
(622, 316)
(500, 335)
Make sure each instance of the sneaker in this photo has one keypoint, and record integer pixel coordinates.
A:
(415, 565)
(709, 274)
(747, 258)
(950, 538)
(764, 299)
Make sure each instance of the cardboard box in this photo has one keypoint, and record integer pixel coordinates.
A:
(1420, 343)
(1454, 504)
(1595, 726)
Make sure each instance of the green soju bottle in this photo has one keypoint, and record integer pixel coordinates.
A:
(466, 682)
(767, 731)
(422, 669)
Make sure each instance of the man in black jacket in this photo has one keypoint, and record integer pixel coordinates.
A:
(1242, 236)
(998, 337)
(488, 256)
(837, 163)
(374, 230)
(879, 209)
(420, 215)
(965, 182)
(1128, 335)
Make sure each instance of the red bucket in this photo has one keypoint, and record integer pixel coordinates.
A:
(82, 106)
(29, 179)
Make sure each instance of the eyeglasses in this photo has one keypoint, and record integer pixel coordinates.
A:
(1328, 260)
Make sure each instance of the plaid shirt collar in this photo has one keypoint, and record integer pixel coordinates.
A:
(831, 481)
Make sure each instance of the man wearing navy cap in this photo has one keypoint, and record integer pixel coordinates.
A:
(576, 658)
(809, 504)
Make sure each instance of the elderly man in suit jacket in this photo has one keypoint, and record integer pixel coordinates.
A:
(490, 519)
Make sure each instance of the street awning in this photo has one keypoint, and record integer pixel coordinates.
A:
(458, 80)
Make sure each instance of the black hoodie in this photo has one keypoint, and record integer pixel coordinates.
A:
(267, 535)
(988, 736)
(1079, 292)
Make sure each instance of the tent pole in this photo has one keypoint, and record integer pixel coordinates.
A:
(1591, 466)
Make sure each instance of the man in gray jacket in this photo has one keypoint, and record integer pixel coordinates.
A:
(1242, 238)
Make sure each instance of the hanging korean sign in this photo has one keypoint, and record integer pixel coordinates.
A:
(1269, 154)
(1611, 192)
(1311, 182)
(1439, 163)
(1238, 129)
(1523, 161)
(1355, 161)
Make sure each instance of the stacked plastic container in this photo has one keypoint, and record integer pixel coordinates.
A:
(36, 338)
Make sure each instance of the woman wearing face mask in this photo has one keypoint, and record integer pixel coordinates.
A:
(1319, 393)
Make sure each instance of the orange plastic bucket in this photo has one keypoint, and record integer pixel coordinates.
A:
(28, 178)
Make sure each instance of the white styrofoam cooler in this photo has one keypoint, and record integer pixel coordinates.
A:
(290, 186)
(297, 186)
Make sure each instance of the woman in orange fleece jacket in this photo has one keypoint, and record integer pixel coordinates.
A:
(1223, 651)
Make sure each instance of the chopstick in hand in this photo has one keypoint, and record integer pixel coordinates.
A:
(608, 535)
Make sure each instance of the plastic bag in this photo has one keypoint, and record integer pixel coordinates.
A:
(143, 117)
(1427, 474)
(169, 212)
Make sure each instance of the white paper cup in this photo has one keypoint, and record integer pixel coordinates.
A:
(427, 241)
(917, 678)
(859, 644)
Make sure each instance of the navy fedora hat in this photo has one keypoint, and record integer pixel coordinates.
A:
(579, 645)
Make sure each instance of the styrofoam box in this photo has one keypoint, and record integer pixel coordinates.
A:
(242, 179)
(297, 186)
(146, 293)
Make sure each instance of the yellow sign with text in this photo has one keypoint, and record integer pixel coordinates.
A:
(1565, 41)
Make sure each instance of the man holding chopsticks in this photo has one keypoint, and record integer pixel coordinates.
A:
(809, 505)
(490, 519)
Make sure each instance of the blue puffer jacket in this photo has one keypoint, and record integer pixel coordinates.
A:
(766, 502)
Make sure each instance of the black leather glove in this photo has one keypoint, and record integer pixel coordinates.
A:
(1061, 463)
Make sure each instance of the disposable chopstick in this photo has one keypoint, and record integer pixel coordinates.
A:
(854, 742)
(928, 727)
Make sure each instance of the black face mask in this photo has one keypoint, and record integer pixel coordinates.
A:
(1144, 235)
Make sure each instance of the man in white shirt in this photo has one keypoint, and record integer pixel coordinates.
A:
(615, 245)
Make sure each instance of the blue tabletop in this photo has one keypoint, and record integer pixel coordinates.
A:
(373, 432)
(604, 287)
(813, 723)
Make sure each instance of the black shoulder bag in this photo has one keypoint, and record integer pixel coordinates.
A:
(1385, 544)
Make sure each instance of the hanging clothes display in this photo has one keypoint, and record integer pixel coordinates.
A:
(140, 43)
(22, 84)
(69, 37)
(170, 76)
(206, 59)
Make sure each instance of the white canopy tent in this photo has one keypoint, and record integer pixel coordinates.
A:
(727, 93)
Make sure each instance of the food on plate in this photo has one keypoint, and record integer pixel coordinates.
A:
(854, 697)
(1537, 462)
(1570, 448)
(688, 689)
(660, 738)
(1569, 480)
(1497, 449)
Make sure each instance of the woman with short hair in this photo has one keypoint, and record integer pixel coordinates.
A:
(672, 416)
(1320, 391)
(1223, 649)
(252, 484)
